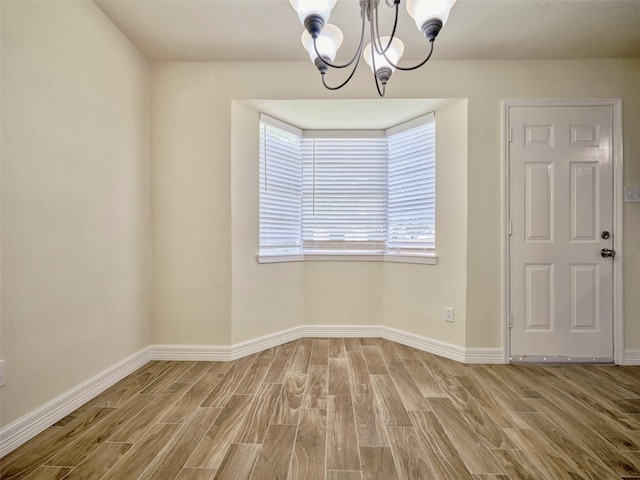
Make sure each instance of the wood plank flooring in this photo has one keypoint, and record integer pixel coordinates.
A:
(347, 409)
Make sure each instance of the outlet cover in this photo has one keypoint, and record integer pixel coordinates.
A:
(448, 314)
(2, 377)
(632, 194)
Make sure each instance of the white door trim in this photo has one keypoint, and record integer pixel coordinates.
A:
(618, 305)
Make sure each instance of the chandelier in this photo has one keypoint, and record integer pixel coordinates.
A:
(322, 39)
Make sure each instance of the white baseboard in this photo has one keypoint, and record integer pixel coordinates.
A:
(344, 331)
(226, 353)
(631, 357)
(443, 349)
(484, 355)
(446, 350)
(223, 353)
(259, 344)
(27, 427)
(199, 353)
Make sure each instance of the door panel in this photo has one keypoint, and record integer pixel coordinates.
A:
(538, 212)
(539, 298)
(560, 200)
(583, 209)
(584, 297)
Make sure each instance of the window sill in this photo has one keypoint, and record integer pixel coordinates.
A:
(424, 259)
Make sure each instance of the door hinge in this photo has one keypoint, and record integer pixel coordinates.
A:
(510, 320)
(510, 134)
(509, 227)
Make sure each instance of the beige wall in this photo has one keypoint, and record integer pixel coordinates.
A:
(265, 298)
(191, 199)
(631, 127)
(75, 200)
(207, 286)
(415, 295)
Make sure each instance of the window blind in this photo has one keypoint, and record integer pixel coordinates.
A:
(280, 187)
(350, 191)
(411, 186)
(344, 192)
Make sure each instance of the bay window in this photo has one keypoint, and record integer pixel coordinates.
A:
(347, 194)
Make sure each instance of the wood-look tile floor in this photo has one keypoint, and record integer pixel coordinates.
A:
(347, 409)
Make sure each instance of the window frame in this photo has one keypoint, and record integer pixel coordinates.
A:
(422, 255)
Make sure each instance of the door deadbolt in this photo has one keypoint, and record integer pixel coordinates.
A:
(607, 253)
(605, 235)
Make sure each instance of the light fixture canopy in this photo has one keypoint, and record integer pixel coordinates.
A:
(383, 53)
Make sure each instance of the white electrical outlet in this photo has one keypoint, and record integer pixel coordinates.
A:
(2, 377)
(448, 314)
(631, 194)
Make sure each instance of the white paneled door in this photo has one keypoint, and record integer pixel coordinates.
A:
(561, 243)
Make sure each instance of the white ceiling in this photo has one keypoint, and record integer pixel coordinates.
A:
(269, 30)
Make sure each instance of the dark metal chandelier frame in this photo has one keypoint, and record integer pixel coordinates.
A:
(379, 52)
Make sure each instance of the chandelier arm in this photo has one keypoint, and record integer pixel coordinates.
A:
(375, 38)
(415, 67)
(373, 58)
(353, 71)
(375, 75)
(350, 62)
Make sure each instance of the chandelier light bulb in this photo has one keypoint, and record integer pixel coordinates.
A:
(424, 10)
(305, 8)
(328, 42)
(393, 53)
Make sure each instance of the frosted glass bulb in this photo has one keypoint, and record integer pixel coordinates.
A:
(393, 53)
(313, 7)
(424, 10)
(328, 42)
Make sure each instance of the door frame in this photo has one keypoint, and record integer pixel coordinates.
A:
(618, 204)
